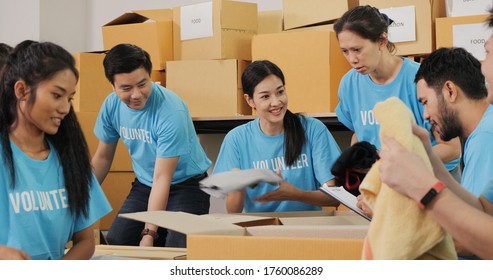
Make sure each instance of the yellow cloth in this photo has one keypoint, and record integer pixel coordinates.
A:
(399, 228)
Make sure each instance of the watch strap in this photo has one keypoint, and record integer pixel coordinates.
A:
(150, 232)
(430, 195)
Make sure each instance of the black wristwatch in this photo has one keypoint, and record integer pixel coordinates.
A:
(430, 195)
(150, 232)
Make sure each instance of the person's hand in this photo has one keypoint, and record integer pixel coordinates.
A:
(9, 253)
(285, 191)
(361, 204)
(147, 241)
(403, 171)
(424, 136)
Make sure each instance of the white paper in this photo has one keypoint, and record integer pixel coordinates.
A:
(220, 184)
(344, 197)
(472, 38)
(459, 8)
(196, 21)
(403, 29)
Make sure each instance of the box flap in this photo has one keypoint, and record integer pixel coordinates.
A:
(140, 16)
(157, 15)
(322, 213)
(328, 220)
(234, 218)
(127, 18)
(185, 223)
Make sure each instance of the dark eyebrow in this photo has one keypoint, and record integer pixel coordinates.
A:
(139, 82)
(60, 88)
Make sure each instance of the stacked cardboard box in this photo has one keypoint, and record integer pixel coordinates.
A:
(148, 29)
(91, 91)
(416, 18)
(468, 32)
(208, 64)
(314, 12)
(312, 63)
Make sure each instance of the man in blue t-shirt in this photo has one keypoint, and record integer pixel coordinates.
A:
(167, 158)
(456, 105)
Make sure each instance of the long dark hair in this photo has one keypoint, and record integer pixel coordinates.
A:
(294, 133)
(35, 62)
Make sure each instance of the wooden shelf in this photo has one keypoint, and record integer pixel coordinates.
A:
(215, 125)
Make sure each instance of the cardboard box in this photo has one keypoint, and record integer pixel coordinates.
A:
(233, 25)
(122, 160)
(114, 252)
(151, 30)
(93, 87)
(425, 13)
(210, 88)
(269, 22)
(461, 8)
(312, 63)
(116, 187)
(212, 238)
(310, 12)
(473, 40)
(159, 76)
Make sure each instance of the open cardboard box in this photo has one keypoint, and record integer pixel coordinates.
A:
(151, 30)
(230, 237)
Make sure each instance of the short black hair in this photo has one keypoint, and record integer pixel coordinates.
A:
(125, 58)
(456, 65)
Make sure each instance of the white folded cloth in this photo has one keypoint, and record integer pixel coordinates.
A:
(220, 184)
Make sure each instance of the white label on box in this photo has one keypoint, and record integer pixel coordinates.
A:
(459, 8)
(403, 29)
(196, 21)
(471, 37)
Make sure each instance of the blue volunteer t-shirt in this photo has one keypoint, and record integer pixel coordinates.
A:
(162, 129)
(478, 155)
(358, 95)
(35, 216)
(247, 147)
(488, 190)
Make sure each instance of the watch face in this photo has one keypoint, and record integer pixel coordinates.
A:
(429, 196)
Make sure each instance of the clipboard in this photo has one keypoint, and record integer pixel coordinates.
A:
(344, 197)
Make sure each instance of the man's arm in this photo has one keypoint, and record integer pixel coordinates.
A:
(235, 201)
(406, 173)
(102, 159)
(158, 199)
(447, 151)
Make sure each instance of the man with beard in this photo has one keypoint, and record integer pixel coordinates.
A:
(453, 92)
(467, 218)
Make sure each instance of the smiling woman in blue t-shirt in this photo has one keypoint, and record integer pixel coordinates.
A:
(48, 193)
(299, 148)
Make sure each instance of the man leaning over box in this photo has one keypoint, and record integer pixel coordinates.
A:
(167, 159)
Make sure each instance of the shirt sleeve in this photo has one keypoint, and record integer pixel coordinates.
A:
(342, 109)
(229, 154)
(104, 129)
